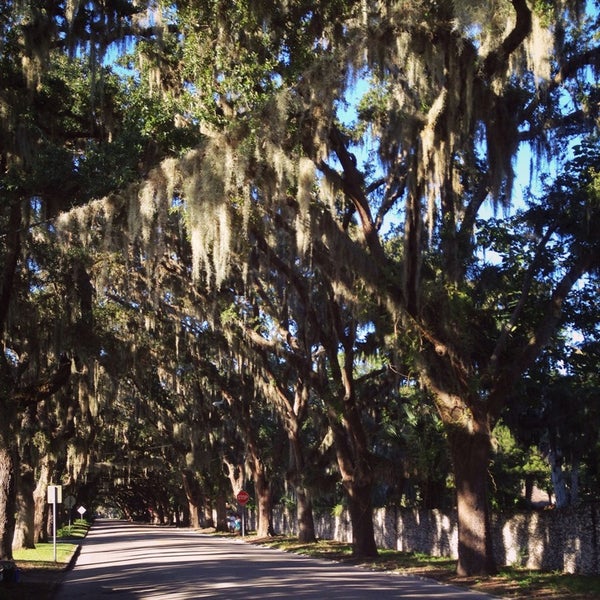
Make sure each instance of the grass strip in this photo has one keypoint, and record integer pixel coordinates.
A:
(510, 582)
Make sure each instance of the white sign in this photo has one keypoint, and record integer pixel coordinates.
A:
(55, 494)
(81, 510)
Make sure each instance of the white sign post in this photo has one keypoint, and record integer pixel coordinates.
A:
(54, 498)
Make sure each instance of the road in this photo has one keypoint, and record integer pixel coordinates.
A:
(125, 561)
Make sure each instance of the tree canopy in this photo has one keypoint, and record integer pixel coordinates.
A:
(288, 242)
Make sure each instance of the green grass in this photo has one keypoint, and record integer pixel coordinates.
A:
(44, 552)
(77, 530)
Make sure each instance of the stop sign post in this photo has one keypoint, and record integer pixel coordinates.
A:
(242, 497)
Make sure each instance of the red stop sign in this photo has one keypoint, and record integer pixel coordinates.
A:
(243, 497)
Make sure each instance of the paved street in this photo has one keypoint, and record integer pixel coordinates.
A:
(120, 560)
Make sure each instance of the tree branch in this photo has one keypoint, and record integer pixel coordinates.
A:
(525, 289)
(496, 60)
(44, 388)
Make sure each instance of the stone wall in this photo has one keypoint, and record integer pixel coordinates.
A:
(564, 540)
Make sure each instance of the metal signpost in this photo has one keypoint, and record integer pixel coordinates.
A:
(54, 498)
(69, 504)
(242, 497)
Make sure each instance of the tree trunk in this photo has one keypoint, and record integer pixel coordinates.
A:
(264, 499)
(50, 521)
(7, 499)
(194, 497)
(306, 521)
(39, 499)
(24, 536)
(304, 509)
(360, 506)
(353, 460)
(471, 455)
(194, 516)
(8, 461)
(221, 510)
(467, 421)
(357, 481)
(207, 517)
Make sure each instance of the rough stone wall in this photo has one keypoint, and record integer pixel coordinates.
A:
(565, 540)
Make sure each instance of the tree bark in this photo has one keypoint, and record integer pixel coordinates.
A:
(194, 515)
(357, 480)
(207, 518)
(360, 506)
(467, 421)
(8, 455)
(194, 497)
(7, 499)
(304, 509)
(221, 512)
(264, 495)
(24, 536)
(39, 499)
(471, 455)
(306, 521)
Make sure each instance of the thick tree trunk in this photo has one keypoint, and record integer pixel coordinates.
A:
(306, 521)
(471, 455)
(7, 499)
(304, 509)
(207, 517)
(8, 462)
(357, 481)
(194, 516)
(39, 498)
(24, 536)
(194, 497)
(264, 500)
(353, 460)
(360, 506)
(221, 510)
(467, 422)
(8, 467)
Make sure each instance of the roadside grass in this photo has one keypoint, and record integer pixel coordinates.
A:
(39, 574)
(510, 582)
(77, 530)
(44, 553)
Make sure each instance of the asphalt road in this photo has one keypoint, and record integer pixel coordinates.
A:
(125, 561)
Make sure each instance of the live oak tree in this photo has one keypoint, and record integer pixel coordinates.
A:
(307, 350)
